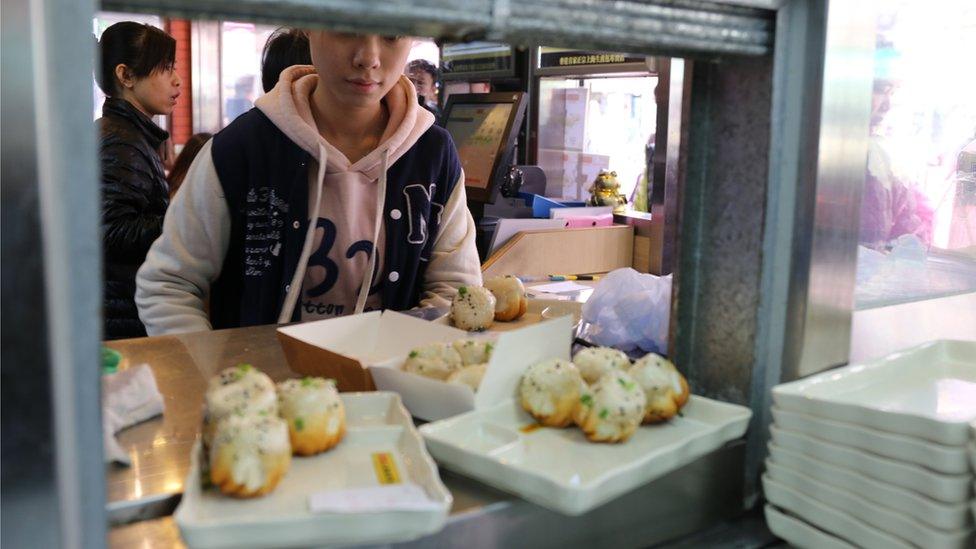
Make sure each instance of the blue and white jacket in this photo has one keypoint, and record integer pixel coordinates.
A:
(271, 225)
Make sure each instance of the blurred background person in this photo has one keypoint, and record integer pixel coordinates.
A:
(425, 76)
(136, 74)
(185, 159)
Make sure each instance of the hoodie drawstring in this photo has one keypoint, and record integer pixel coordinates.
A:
(295, 288)
(380, 200)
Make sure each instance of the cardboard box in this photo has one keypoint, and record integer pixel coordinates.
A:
(366, 352)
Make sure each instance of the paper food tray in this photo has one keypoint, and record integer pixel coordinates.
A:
(376, 423)
(561, 470)
(366, 352)
(928, 391)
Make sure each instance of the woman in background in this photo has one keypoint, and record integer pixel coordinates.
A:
(185, 158)
(136, 73)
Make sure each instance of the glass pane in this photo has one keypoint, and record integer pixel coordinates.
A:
(240, 66)
(918, 212)
(592, 124)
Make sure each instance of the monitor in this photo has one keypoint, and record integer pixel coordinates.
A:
(484, 127)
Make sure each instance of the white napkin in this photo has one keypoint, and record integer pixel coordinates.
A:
(129, 396)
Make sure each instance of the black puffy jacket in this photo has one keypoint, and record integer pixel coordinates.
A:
(134, 199)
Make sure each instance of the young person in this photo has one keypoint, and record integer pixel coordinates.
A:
(424, 76)
(137, 75)
(279, 217)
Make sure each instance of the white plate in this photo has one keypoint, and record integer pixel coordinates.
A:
(376, 423)
(883, 518)
(945, 488)
(944, 459)
(927, 391)
(940, 515)
(561, 470)
(828, 519)
(800, 534)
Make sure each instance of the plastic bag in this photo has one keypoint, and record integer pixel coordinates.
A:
(629, 311)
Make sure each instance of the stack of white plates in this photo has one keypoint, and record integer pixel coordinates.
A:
(881, 454)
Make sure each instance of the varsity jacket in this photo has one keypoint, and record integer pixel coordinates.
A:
(273, 224)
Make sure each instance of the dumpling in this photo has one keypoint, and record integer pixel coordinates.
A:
(249, 455)
(550, 392)
(241, 390)
(473, 308)
(474, 351)
(436, 360)
(314, 412)
(469, 375)
(593, 362)
(510, 301)
(666, 390)
(612, 409)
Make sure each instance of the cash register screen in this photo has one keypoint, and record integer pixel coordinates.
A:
(478, 130)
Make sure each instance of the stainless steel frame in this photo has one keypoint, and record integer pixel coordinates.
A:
(769, 192)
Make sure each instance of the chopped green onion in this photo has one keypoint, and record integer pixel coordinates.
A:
(604, 413)
(299, 424)
(306, 381)
(413, 354)
(462, 290)
(587, 400)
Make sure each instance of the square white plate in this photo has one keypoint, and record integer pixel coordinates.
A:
(881, 517)
(937, 514)
(800, 534)
(940, 458)
(828, 519)
(376, 423)
(561, 470)
(928, 391)
(939, 486)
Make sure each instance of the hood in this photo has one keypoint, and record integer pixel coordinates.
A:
(287, 106)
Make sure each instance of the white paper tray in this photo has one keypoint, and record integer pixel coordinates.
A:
(928, 391)
(944, 459)
(937, 514)
(831, 520)
(881, 517)
(939, 486)
(800, 534)
(376, 422)
(559, 469)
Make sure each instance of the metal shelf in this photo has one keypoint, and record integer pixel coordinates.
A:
(705, 29)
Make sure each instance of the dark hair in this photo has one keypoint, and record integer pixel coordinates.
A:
(284, 48)
(426, 66)
(142, 48)
(185, 159)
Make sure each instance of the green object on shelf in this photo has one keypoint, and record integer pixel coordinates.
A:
(110, 360)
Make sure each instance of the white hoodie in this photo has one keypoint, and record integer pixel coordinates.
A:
(174, 282)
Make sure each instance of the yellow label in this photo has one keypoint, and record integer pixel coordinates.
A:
(386, 468)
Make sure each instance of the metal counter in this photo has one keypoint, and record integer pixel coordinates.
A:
(141, 496)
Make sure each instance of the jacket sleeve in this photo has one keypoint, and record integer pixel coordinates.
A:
(454, 261)
(129, 226)
(174, 282)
